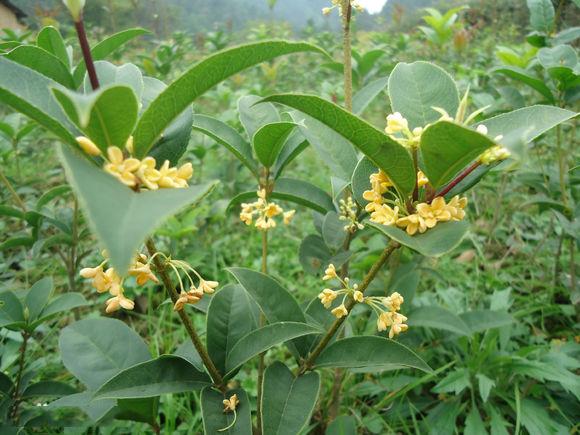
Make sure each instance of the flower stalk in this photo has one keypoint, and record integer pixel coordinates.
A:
(370, 276)
(195, 340)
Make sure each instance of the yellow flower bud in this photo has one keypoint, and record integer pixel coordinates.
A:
(75, 8)
(88, 146)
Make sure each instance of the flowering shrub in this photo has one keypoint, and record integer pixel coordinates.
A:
(406, 184)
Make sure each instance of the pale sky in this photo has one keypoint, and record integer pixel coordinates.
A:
(373, 6)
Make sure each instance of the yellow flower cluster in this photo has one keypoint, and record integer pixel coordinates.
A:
(265, 212)
(398, 129)
(426, 215)
(387, 309)
(139, 173)
(349, 212)
(231, 404)
(108, 280)
(194, 293)
(338, 4)
(327, 296)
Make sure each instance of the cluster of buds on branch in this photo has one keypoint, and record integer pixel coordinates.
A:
(264, 211)
(338, 4)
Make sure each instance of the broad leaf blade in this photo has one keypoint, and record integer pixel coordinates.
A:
(215, 420)
(43, 62)
(37, 297)
(120, 217)
(200, 78)
(264, 338)
(366, 95)
(525, 77)
(438, 318)
(371, 353)
(167, 374)
(387, 154)
(269, 140)
(434, 242)
(287, 401)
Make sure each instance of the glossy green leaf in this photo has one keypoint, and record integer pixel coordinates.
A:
(287, 401)
(95, 350)
(387, 154)
(64, 302)
(120, 217)
(29, 93)
(360, 181)
(231, 315)
(333, 150)
(37, 297)
(370, 353)
(432, 243)
(228, 137)
(528, 122)
(415, 88)
(343, 425)
(525, 77)
(542, 15)
(560, 55)
(106, 116)
(164, 375)
(174, 140)
(50, 39)
(11, 310)
(277, 304)
(482, 320)
(43, 62)
(202, 77)
(269, 140)
(109, 74)
(144, 410)
(333, 231)
(106, 47)
(94, 409)
(48, 388)
(447, 148)
(474, 425)
(215, 420)
(294, 145)
(364, 97)
(485, 385)
(438, 318)
(262, 339)
(253, 116)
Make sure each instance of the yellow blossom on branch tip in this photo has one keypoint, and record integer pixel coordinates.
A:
(231, 404)
(358, 296)
(207, 286)
(326, 297)
(494, 154)
(384, 214)
(396, 123)
(88, 146)
(117, 302)
(422, 180)
(330, 272)
(339, 311)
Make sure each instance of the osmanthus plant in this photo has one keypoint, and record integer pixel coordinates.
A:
(122, 137)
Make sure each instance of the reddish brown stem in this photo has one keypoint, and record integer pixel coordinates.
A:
(88, 57)
(458, 179)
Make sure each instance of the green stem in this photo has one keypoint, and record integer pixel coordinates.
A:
(195, 340)
(21, 363)
(370, 276)
(15, 195)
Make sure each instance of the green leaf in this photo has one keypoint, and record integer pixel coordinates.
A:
(215, 420)
(277, 304)
(94, 409)
(50, 39)
(498, 426)
(542, 15)
(167, 374)
(386, 153)
(187, 351)
(118, 75)
(231, 315)
(537, 421)
(253, 116)
(200, 78)
(438, 318)
(287, 401)
(528, 122)
(294, 145)
(474, 424)
(48, 388)
(371, 353)
(333, 231)
(485, 385)
(43, 62)
(37, 297)
(65, 302)
(6, 384)
(262, 339)
(51, 194)
(433, 243)
(455, 382)
(296, 191)
(120, 217)
(482, 320)
(523, 76)
(269, 140)
(106, 47)
(415, 88)
(333, 150)
(441, 420)
(228, 137)
(144, 410)
(95, 350)
(447, 148)
(360, 181)
(366, 95)
(343, 425)
(558, 56)
(29, 93)
(11, 310)
(174, 140)
(106, 116)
